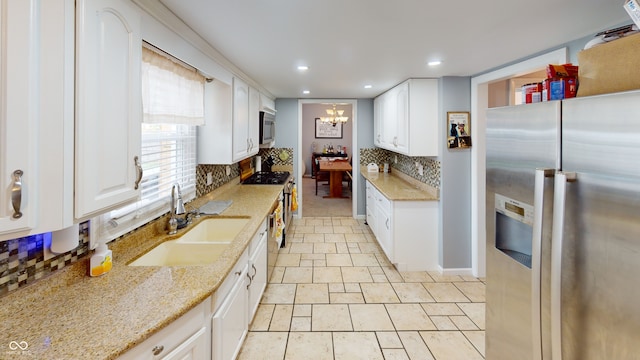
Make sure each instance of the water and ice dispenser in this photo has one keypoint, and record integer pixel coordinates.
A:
(514, 229)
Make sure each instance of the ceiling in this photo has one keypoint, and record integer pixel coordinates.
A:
(348, 44)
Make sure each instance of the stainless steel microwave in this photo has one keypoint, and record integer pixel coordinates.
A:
(267, 129)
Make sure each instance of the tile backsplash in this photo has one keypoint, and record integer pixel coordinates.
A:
(405, 164)
(22, 260)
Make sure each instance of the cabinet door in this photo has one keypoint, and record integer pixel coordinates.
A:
(230, 321)
(108, 104)
(240, 119)
(258, 272)
(371, 208)
(254, 121)
(378, 113)
(401, 140)
(389, 120)
(18, 118)
(384, 231)
(194, 348)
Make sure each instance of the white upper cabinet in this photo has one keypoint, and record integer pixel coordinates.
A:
(36, 117)
(406, 118)
(230, 133)
(108, 105)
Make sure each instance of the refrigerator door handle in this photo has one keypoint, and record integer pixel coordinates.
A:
(557, 235)
(536, 260)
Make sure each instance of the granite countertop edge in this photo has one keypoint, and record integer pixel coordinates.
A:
(70, 315)
(397, 186)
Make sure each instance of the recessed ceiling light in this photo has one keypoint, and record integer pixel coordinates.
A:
(306, 92)
(368, 86)
(434, 63)
(303, 67)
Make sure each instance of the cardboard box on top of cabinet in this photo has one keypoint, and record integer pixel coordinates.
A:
(610, 67)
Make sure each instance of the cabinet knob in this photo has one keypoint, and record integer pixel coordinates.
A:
(157, 350)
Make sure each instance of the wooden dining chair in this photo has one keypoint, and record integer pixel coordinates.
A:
(347, 176)
(321, 176)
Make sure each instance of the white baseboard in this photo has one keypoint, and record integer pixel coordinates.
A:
(453, 271)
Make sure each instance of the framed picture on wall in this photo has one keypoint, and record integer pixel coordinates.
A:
(458, 129)
(325, 130)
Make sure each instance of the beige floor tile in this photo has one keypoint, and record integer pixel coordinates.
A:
(314, 238)
(437, 277)
(443, 323)
(324, 248)
(312, 256)
(346, 298)
(409, 317)
(389, 340)
(342, 229)
(357, 238)
(264, 346)
(309, 345)
(296, 275)
(473, 290)
(392, 274)
(301, 248)
(339, 260)
(355, 250)
(364, 260)
(327, 275)
(376, 270)
(341, 248)
(276, 276)
(306, 263)
(352, 287)
(370, 317)
(369, 248)
(288, 260)
(314, 222)
(305, 229)
(384, 261)
(352, 245)
(302, 310)
(356, 274)
(475, 312)
(447, 345)
(279, 294)
(416, 276)
(323, 229)
(318, 263)
(355, 346)
(477, 339)
(281, 319)
(412, 293)
(379, 278)
(262, 319)
(469, 278)
(395, 354)
(442, 309)
(336, 287)
(301, 324)
(333, 317)
(349, 222)
(415, 346)
(463, 323)
(445, 292)
(312, 294)
(379, 293)
(334, 238)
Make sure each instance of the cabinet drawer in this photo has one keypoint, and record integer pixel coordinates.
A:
(255, 242)
(383, 202)
(230, 280)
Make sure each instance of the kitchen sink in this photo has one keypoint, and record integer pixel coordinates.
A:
(174, 253)
(214, 230)
(200, 245)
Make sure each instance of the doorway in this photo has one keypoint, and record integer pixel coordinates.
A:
(312, 139)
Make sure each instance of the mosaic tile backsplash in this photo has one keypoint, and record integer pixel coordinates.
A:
(405, 164)
(22, 260)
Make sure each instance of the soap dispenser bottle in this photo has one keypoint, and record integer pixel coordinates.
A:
(101, 261)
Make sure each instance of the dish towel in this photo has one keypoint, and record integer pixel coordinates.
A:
(279, 223)
(294, 198)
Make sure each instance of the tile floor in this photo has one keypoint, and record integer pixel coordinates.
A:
(335, 296)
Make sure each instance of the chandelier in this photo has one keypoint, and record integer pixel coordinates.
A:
(334, 116)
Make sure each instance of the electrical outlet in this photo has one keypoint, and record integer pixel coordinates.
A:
(395, 159)
(209, 178)
(420, 169)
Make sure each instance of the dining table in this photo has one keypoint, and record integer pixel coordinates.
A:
(336, 169)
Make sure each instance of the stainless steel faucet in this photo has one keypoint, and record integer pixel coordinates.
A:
(177, 208)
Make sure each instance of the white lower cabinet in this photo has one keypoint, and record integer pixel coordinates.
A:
(230, 323)
(185, 338)
(407, 231)
(258, 272)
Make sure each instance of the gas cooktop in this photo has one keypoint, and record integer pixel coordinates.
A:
(267, 178)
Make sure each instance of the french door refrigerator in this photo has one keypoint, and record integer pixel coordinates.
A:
(563, 229)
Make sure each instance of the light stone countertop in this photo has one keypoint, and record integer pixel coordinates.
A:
(70, 315)
(397, 186)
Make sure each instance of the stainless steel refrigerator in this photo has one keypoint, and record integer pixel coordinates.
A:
(563, 229)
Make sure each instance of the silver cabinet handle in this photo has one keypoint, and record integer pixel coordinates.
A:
(387, 223)
(16, 194)
(157, 350)
(557, 237)
(136, 161)
(250, 281)
(536, 260)
(255, 271)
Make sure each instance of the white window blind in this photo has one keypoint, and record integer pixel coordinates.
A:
(168, 156)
